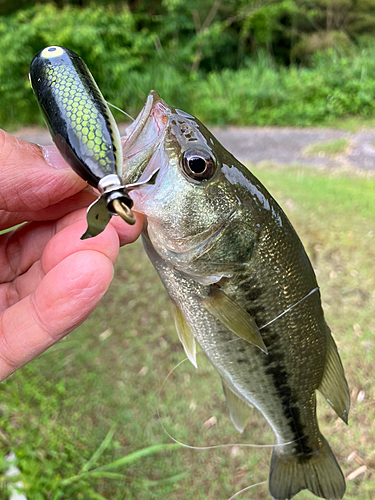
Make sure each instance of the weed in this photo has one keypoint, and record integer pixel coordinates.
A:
(331, 148)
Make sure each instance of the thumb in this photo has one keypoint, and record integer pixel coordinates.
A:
(27, 182)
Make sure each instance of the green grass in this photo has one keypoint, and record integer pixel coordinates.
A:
(82, 419)
(350, 123)
(331, 148)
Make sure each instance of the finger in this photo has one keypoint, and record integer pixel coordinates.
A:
(126, 233)
(21, 287)
(67, 241)
(27, 181)
(46, 249)
(22, 247)
(75, 202)
(19, 249)
(63, 300)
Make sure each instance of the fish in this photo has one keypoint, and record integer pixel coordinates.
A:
(242, 287)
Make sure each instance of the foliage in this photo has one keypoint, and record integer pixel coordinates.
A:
(263, 94)
(106, 39)
(90, 403)
(217, 60)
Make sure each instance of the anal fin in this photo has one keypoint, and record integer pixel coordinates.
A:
(233, 317)
(333, 385)
(185, 334)
(239, 411)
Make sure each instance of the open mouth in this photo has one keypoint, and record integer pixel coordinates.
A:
(133, 131)
(155, 114)
(142, 138)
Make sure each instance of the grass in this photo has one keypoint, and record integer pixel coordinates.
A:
(350, 123)
(330, 148)
(82, 419)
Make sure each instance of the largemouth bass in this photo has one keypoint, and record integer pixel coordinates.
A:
(242, 286)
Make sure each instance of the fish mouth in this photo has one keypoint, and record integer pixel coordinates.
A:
(142, 138)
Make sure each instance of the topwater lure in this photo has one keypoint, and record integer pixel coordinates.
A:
(84, 131)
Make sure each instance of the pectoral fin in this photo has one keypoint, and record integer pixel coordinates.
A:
(239, 411)
(333, 385)
(231, 315)
(185, 334)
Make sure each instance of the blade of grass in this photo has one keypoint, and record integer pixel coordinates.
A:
(100, 475)
(122, 477)
(95, 496)
(172, 479)
(105, 443)
(101, 472)
(127, 459)
(106, 475)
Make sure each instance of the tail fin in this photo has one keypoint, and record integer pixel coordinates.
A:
(320, 473)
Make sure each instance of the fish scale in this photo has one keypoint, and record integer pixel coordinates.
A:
(297, 325)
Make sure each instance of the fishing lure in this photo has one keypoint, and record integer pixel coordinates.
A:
(84, 131)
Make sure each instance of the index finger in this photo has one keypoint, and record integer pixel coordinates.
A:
(27, 182)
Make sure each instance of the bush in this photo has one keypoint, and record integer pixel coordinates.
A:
(128, 59)
(263, 94)
(107, 39)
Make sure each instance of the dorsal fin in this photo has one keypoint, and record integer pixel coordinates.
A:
(185, 334)
(231, 315)
(239, 411)
(333, 385)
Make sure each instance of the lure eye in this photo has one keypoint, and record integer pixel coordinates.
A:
(53, 51)
(198, 164)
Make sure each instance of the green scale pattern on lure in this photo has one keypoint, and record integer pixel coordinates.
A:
(83, 129)
(84, 113)
(76, 111)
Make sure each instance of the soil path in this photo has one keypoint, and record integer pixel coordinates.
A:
(282, 145)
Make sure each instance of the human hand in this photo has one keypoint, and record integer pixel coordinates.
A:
(50, 280)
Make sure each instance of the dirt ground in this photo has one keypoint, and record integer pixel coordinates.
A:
(282, 145)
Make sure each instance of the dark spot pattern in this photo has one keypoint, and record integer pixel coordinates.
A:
(276, 368)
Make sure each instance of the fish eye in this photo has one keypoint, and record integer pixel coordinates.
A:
(198, 164)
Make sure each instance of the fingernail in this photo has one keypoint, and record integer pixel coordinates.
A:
(54, 158)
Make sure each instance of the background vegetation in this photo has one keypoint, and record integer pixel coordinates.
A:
(297, 62)
(106, 376)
